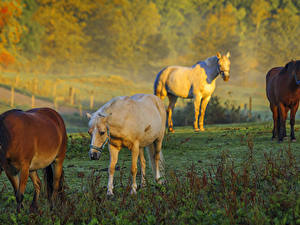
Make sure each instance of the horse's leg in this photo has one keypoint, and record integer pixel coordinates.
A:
(134, 155)
(24, 174)
(292, 120)
(14, 180)
(197, 101)
(172, 102)
(283, 115)
(203, 108)
(57, 174)
(37, 188)
(143, 167)
(274, 110)
(158, 145)
(284, 125)
(113, 152)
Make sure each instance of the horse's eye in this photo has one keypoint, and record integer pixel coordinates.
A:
(102, 132)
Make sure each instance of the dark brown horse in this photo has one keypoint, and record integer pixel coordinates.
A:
(283, 92)
(29, 141)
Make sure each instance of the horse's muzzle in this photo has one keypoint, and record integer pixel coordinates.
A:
(94, 155)
(225, 76)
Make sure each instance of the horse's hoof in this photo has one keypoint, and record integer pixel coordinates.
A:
(293, 140)
(171, 130)
(197, 130)
(109, 193)
(273, 138)
(161, 181)
(33, 209)
(202, 129)
(110, 197)
(285, 138)
(133, 192)
(143, 185)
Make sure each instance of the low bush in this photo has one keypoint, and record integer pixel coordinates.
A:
(216, 113)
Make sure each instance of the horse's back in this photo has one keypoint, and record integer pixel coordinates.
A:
(49, 114)
(273, 72)
(141, 117)
(151, 102)
(175, 80)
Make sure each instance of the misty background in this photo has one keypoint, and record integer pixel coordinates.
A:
(107, 48)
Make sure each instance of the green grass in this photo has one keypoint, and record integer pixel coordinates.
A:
(182, 151)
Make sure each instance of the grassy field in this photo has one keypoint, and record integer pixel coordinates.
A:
(184, 151)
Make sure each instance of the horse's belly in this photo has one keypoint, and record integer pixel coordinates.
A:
(179, 86)
(39, 162)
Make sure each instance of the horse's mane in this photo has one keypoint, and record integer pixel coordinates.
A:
(4, 133)
(102, 110)
(207, 61)
(286, 67)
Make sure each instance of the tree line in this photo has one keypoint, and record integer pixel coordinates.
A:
(138, 37)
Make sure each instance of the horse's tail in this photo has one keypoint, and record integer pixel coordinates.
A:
(159, 83)
(48, 177)
(151, 151)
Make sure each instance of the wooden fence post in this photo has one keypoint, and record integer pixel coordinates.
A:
(92, 101)
(17, 80)
(54, 89)
(12, 96)
(55, 103)
(32, 101)
(72, 95)
(80, 109)
(250, 107)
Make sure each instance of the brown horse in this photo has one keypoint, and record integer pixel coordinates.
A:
(29, 141)
(283, 92)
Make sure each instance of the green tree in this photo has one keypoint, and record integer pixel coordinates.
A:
(218, 32)
(10, 32)
(30, 43)
(281, 38)
(63, 40)
(125, 34)
(179, 22)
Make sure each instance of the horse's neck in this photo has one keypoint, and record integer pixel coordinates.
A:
(210, 66)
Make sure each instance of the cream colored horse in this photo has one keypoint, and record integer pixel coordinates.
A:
(197, 82)
(134, 122)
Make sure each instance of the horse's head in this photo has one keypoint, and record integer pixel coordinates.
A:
(99, 133)
(294, 67)
(224, 65)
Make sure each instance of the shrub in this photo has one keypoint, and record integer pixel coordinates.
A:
(216, 113)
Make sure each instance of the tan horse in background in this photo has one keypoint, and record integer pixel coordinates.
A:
(134, 122)
(197, 82)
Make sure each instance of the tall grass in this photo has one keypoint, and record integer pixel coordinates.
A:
(262, 191)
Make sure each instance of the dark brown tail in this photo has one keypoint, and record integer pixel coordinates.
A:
(48, 177)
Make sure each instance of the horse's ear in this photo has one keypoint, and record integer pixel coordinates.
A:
(88, 115)
(228, 55)
(289, 65)
(219, 55)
